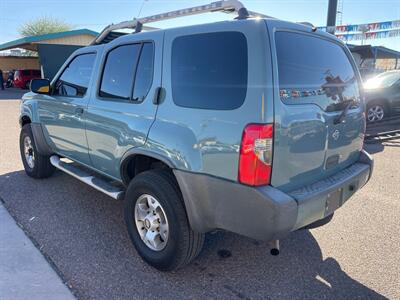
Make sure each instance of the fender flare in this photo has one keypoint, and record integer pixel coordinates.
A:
(130, 154)
(40, 141)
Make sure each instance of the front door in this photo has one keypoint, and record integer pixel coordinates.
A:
(62, 114)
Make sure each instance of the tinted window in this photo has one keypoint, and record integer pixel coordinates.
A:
(144, 73)
(209, 70)
(36, 73)
(74, 80)
(26, 72)
(119, 71)
(314, 70)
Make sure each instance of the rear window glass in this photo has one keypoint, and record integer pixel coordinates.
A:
(314, 70)
(26, 72)
(36, 73)
(209, 70)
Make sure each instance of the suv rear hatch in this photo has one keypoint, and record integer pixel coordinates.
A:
(319, 119)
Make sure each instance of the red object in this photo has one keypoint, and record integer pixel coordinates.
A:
(255, 162)
(22, 78)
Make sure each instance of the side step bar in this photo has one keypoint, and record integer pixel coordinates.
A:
(95, 182)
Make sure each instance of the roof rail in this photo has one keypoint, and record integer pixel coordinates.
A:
(226, 6)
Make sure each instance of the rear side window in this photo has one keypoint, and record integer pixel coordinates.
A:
(314, 70)
(119, 71)
(75, 78)
(144, 73)
(128, 72)
(209, 70)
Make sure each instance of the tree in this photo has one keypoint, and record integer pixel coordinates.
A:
(43, 25)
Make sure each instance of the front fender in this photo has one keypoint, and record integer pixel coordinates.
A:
(29, 108)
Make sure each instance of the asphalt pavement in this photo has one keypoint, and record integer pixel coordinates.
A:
(82, 232)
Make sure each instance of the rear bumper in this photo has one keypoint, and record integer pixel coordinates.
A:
(266, 213)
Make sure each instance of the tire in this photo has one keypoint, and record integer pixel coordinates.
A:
(376, 111)
(39, 166)
(319, 223)
(182, 244)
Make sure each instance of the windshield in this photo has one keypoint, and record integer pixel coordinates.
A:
(382, 80)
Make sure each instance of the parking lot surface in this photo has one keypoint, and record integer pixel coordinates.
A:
(81, 231)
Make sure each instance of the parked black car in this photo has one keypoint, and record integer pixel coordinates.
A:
(382, 94)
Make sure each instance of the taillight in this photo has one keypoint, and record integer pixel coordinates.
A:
(255, 162)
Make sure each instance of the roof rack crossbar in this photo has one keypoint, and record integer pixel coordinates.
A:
(226, 6)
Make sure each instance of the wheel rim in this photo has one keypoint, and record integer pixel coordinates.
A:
(29, 153)
(375, 113)
(151, 222)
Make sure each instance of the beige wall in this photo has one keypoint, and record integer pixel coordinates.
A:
(386, 64)
(8, 63)
(77, 40)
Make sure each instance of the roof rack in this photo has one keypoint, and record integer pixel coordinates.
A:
(225, 6)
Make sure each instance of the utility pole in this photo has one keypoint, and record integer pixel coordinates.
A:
(331, 18)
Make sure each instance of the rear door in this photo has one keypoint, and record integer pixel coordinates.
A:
(121, 111)
(315, 80)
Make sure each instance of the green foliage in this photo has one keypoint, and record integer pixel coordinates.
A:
(43, 25)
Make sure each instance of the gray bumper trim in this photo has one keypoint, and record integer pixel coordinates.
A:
(212, 203)
(264, 213)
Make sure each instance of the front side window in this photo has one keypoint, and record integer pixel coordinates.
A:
(314, 70)
(74, 81)
(209, 70)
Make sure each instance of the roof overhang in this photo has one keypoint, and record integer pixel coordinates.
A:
(31, 42)
(378, 52)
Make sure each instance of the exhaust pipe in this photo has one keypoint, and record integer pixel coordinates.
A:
(274, 245)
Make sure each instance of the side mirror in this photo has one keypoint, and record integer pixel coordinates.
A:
(40, 86)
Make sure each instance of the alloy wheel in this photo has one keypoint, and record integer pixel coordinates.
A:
(29, 152)
(151, 222)
(375, 113)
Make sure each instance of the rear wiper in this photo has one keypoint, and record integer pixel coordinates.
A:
(340, 118)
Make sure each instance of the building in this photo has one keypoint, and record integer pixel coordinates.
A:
(375, 59)
(52, 50)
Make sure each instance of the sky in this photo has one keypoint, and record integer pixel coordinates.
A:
(96, 14)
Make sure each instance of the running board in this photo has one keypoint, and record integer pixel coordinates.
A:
(95, 182)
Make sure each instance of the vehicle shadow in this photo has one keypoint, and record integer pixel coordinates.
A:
(83, 233)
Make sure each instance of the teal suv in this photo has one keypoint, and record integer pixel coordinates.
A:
(253, 126)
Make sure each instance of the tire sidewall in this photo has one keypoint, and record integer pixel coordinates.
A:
(160, 259)
(26, 131)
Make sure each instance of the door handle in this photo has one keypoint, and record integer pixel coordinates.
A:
(159, 95)
(79, 110)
